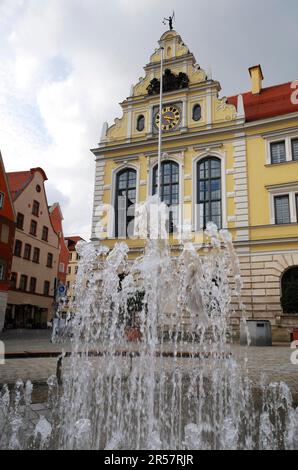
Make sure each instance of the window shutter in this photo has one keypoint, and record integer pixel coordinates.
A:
(282, 210)
(295, 149)
(278, 152)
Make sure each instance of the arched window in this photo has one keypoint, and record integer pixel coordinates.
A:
(196, 112)
(169, 189)
(209, 192)
(289, 288)
(125, 197)
(140, 123)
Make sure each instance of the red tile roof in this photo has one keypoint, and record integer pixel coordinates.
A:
(72, 241)
(18, 180)
(272, 101)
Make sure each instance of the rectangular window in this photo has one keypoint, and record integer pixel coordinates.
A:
(33, 228)
(45, 233)
(20, 221)
(23, 282)
(35, 208)
(50, 260)
(282, 210)
(36, 255)
(69, 269)
(13, 280)
(70, 256)
(4, 236)
(46, 288)
(1, 200)
(27, 251)
(296, 200)
(32, 287)
(295, 149)
(2, 271)
(278, 152)
(76, 270)
(61, 268)
(18, 248)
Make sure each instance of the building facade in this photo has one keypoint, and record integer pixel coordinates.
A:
(7, 231)
(233, 161)
(36, 253)
(72, 269)
(56, 219)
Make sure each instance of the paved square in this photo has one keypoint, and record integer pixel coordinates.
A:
(274, 362)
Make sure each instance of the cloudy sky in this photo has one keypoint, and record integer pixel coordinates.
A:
(66, 64)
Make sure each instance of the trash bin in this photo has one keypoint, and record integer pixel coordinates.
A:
(259, 332)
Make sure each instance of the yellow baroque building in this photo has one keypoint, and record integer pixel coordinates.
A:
(233, 161)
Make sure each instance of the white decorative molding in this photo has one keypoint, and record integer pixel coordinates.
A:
(240, 107)
(209, 107)
(126, 159)
(98, 195)
(104, 131)
(277, 137)
(240, 186)
(290, 190)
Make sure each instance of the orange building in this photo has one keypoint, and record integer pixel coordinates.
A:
(56, 219)
(71, 270)
(7, 231)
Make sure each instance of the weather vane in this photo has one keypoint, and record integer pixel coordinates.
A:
(169, 20)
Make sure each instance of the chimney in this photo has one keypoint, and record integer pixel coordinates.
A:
(257, 77)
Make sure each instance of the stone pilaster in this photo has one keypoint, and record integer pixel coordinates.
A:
(98, 197)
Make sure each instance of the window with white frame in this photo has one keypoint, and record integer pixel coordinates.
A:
(284, 204)
(169, 190)
(278, 152)
(125, 199)
(1, 200)
(209, 191)
(282, 209)
(282, 150)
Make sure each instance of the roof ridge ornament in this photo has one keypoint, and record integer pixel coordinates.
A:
(169, 20)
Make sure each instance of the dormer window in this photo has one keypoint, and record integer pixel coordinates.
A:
(196, 112)
(141, 123)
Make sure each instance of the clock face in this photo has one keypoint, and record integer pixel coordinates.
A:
(170, 118)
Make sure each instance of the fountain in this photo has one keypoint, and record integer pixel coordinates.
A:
(178, 386)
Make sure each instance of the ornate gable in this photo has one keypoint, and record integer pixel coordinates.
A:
(184, 83)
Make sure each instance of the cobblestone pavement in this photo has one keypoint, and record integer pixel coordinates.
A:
(275, 362)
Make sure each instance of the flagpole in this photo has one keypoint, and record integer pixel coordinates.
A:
(160, 126)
